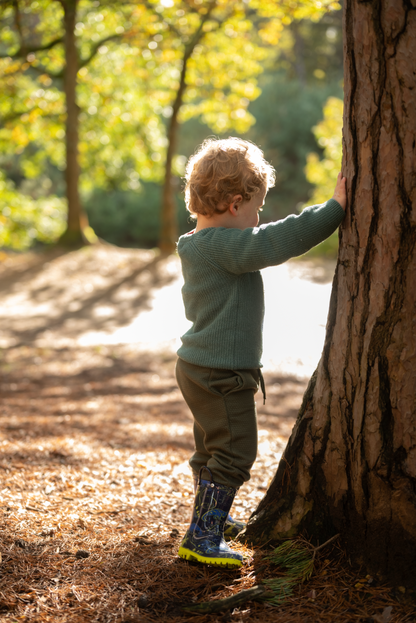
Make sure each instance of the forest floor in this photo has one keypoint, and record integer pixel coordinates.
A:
(95, 489)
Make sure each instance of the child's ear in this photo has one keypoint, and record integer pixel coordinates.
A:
(235, 204)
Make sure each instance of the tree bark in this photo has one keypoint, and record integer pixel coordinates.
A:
(350, 464)
(77, 219)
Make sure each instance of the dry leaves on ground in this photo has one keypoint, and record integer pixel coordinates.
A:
(96, 493)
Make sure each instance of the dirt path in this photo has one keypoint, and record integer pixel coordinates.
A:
(94, 483)
(107, 296)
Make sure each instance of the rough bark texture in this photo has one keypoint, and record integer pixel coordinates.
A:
(350, 464)
(77, 219)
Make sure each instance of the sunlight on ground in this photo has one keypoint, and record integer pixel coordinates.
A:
(154, 329)
(295, 320)
(109, 296)
(294, 327)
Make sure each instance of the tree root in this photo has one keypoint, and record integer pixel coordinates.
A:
(211, 607)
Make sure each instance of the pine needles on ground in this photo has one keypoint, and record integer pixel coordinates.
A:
(298, 558)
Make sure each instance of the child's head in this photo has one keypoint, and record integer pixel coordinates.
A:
(222, 169)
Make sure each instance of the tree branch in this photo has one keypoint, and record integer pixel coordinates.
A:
(189, 47)
(41, 69)
(151, 7)
(15, 115)
(221, 21)
(24, 50)
(95, 48)
(210, 607)
(47, 46)
(17, 20)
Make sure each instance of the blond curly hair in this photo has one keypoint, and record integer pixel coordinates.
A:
(221, 169)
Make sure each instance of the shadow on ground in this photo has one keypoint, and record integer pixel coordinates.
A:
(56, 294)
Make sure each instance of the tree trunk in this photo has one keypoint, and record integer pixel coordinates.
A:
(77, 221)
(169, 229)
(350, 464)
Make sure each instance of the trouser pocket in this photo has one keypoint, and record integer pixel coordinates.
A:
(225, 382)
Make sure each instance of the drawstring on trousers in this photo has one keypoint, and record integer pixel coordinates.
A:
(262, 385)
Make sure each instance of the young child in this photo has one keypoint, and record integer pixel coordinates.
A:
(218, 369)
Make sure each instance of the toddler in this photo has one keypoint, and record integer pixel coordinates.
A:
(219, 365)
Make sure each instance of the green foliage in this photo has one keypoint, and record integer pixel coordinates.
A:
(24, 220)
(297, 82)
(285, 113)
(323, 172)
(131, 218)
(311, 51)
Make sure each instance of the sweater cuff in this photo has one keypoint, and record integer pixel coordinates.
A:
(334, 205)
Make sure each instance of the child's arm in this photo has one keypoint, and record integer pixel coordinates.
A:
(241, 251)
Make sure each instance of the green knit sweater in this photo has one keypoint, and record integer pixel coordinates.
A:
(223, 289)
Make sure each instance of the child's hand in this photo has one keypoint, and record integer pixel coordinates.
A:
(340, 193)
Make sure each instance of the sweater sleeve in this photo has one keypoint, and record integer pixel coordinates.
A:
(241, 251)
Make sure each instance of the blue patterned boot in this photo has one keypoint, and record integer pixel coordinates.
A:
(204, 539)
(232, 526)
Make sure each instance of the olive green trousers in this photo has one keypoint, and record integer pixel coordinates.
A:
(225, 421)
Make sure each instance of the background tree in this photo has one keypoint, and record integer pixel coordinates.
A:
(215, 46)
(48, 48)
(198, 39)
(350, 464)
(222, 45)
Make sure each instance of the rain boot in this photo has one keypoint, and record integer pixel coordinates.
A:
(204, 539)
(232, 526)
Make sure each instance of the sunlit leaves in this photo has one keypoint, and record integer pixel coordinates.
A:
(24, 220)
(120, 120)
(323, 173)
(288, 10)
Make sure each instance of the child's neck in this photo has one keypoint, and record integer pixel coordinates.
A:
(216, 220)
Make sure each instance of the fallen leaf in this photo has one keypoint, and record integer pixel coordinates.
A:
(385, 616)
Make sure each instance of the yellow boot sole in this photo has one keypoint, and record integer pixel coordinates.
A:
(228, 563)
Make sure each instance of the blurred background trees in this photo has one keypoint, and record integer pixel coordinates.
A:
(150, 81)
